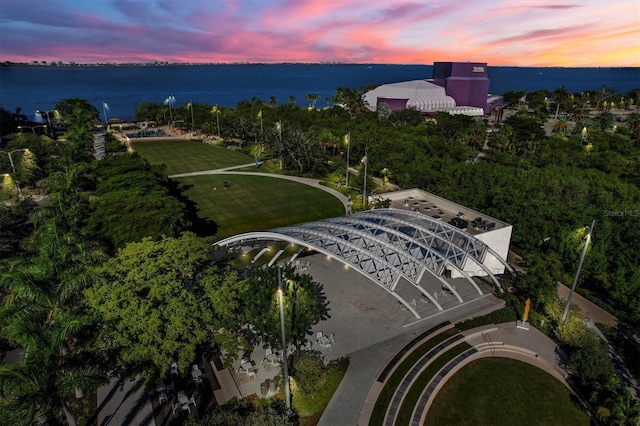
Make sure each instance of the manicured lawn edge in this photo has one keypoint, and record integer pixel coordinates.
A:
(500, 391)
(390, 386)
(422, 381)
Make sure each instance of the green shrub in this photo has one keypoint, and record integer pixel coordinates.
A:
(309, 372)
(506, 314)
(308, 405)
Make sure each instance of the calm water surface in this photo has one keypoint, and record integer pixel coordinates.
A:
(123, 88)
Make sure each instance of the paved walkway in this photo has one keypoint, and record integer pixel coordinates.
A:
(124, 402)
(370, 328)
(316, 183)
(591, 310)
(507, 341)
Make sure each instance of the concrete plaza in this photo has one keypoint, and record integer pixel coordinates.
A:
(370, 326)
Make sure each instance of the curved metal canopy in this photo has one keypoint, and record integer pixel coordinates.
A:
(384, 244)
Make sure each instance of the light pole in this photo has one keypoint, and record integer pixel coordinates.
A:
(218, 119)
(169, 101)
(193, 123)
(279, 128)
(105, 108)
(8, 176)
(41, 113)
(285, 372)
(13, 167)
(347, 139)
(364, 192)
(575, 280)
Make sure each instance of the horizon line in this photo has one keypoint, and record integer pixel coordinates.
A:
(167, 63)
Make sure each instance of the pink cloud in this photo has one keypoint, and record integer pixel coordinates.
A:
(388, 31)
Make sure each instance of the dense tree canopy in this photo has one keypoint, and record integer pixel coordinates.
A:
(133, 200)
(160, 300)
(42, 310)
(70, 106)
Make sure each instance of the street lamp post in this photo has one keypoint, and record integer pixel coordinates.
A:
(575, 280)
(218, 119)
(364, 192)
(41, 113)
(348, 140)
(105, 108)
(193, 123)
(285, 372)
(13, 167)
(7, 175)
(280, 147)
(169, 101)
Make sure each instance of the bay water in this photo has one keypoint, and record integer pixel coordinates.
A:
(124, 87)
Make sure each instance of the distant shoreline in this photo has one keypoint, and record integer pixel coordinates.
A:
(124, 88)
(58, 64)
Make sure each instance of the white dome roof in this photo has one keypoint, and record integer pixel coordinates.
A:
(421, 94)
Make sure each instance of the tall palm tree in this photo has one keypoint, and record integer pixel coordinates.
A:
(312, 98)
(562, 127)
(633, 123)
(43, 311)
(563, 100)
(605, 120)
(44, 314)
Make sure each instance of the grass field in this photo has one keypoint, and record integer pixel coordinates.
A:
(501, 391)
(257, 203)
(251, 203)
(184, 156)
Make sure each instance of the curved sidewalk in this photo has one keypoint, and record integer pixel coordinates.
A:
(316, 183)
(356, 395)
(502, 340)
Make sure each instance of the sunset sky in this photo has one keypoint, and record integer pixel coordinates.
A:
(575, 33)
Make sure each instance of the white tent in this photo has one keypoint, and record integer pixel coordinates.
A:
(421, 94)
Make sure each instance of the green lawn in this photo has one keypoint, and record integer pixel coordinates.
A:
(257, 203)
(183, 156)
(412, 396)
(501, 391)
(251, 203)
(308, 405)
(392, 383)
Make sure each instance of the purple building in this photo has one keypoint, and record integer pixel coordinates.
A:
(456, 88)
(466, 82)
